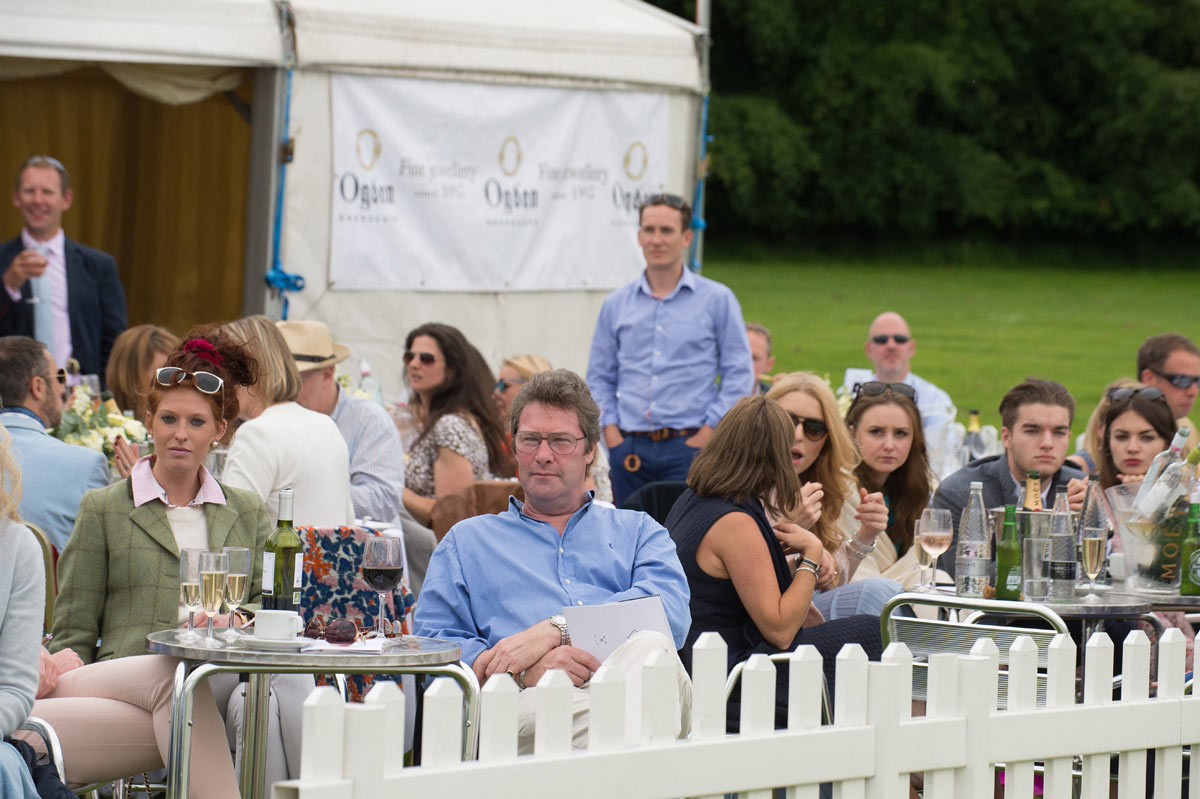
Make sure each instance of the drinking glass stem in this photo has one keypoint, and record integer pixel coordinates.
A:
(191, 622)
(211, 637)
(382, 609)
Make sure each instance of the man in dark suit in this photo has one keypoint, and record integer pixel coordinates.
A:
(66, 295)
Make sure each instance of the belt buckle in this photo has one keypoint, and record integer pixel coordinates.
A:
(660, 435)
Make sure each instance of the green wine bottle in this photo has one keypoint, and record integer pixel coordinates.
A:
(283, 560)
(1008, 558)
(1189, 554)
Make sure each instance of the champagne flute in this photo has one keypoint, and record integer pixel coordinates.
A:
(924, 560)
(382, 567)
(935, 533)
(189, 590)
(1092, 542)
(237, 585)
(214, 569)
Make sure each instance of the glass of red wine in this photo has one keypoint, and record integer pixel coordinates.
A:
(382, 567)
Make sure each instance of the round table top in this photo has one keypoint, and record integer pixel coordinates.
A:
(1109, 604)
(411, 651)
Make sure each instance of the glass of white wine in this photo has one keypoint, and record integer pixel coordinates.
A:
(934, 534)
(214, 568)
(1093, 542)
(189, 590)
(237, 585)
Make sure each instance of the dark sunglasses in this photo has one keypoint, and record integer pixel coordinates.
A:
(1178, 380)
(814, 429)
(1147, 393)
(873, 388)
(899, 338)
(205, 382)
(427, 358)
(343, 631)
(61, 377)
(503, 383)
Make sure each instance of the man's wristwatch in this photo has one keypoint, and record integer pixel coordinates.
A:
(560, 621)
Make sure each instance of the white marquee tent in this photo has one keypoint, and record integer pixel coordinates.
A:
(177, 50)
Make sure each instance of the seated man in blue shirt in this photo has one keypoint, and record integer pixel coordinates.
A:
(669, 356)
(497, 584)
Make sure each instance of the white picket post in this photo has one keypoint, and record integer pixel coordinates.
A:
(1168, 760)
(442, 729)
(390, 696)
(552, 734)
(899, 653)
(499, 709)
(1022, 696)
(758, 695)
(986, 648)
(660, 699)
(606, 713)
(942, 697)
(366, 738)
(1060, 693)
(850, 706)
(1097, 690)
(1135, 687)
(806, 680)
(884, 700)
(976, 703)
(322, 732)
(710, 658)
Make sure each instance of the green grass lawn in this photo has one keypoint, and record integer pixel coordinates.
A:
(982, 321)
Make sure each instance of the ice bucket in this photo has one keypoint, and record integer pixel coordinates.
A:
(1151, 550)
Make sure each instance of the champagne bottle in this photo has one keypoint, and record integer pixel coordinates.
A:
(283, 560)
(1189, 554)
(973, 555)
(973, 440)
(1033, 491)
(1008, 558)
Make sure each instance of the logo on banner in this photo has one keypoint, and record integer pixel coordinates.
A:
(636, 160)
(510, 156)
(367, 147)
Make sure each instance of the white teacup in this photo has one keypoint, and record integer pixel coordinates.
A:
(277, 625)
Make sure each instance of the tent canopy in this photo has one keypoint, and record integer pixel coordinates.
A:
(622, 41)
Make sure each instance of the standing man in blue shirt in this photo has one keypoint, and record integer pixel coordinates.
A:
(497, 583)
(669, 356)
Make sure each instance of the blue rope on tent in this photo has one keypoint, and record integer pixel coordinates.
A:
(279, 281)
(698, 223)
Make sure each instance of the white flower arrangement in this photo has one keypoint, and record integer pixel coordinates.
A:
(86, 423)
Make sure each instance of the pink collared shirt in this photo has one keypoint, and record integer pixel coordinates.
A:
(56, 272)
(146, 487)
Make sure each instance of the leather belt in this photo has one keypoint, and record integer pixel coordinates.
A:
(664, 434)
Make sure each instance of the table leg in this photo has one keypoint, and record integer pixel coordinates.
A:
(254, 735)
(179, 749)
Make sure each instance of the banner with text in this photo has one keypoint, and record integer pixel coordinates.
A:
(448, 186)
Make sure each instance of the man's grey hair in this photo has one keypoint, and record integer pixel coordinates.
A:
(559, 388)
(44, 161)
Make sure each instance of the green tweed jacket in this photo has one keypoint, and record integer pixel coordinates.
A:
(118, 576)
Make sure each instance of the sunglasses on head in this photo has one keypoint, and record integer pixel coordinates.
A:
(503, 383)
(427, 358)
(669, 200)
(899, 338)
(874, 388)
(814, 429)
(205, 382)
(1178, 380)
(1147, 393)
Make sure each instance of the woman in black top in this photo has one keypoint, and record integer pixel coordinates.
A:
(743, 582)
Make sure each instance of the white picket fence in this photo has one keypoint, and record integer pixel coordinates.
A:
(353, 751)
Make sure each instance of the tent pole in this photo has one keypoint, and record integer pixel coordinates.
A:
(699, 224)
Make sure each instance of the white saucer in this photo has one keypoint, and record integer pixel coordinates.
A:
(273, 645)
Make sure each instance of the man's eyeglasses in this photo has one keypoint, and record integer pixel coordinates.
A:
(562, 443)
(814, 429)
(1178, 380)
(427, 358)
(899, 338)
(874, 388)
(205, 382)
(503, 383)
(1148, 393)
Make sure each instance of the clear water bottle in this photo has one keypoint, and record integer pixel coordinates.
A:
(1150, 494)
(973, 556)
(1063, 552)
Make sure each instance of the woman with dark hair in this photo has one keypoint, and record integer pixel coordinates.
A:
(461, 439)
(886, 427)
(1137, 425)
(743, 586)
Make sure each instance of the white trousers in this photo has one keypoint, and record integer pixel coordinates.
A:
(628, 658)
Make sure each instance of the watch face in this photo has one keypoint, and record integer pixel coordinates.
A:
(559, 620)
